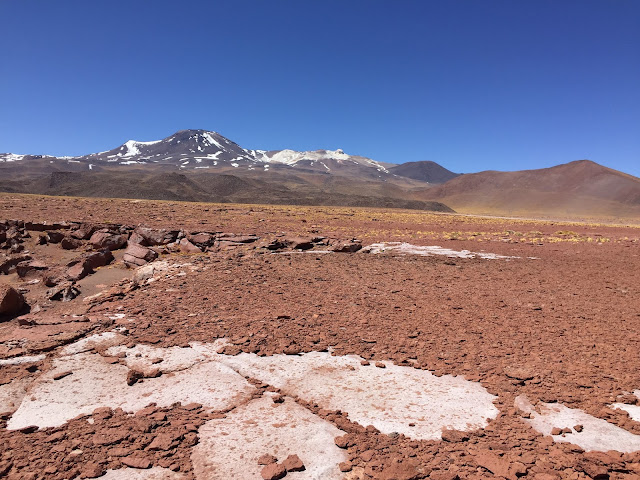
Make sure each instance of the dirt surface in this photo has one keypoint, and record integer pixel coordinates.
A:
(557, 323)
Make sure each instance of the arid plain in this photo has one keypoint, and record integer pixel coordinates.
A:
(169, 340)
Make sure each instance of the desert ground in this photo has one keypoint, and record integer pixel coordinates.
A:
(169, 340)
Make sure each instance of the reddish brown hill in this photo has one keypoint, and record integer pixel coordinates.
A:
(581, 188)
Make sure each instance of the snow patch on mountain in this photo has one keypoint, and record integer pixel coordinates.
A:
(11, 157)
(133, 147)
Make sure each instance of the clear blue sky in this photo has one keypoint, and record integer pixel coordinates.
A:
(470, 84)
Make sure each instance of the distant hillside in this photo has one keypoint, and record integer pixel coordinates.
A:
(265, 188)
(580, 188)
(425, 171)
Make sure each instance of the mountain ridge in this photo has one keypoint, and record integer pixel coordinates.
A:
(200, 165)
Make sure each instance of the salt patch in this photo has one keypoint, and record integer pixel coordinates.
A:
(427, 251)
(632, 410)
(229, 447)
(22, 360)
(388, 398)
(597, 434)
(155, 473)
(143, 357)
(95, 383)
(392, 399)
(105, 339)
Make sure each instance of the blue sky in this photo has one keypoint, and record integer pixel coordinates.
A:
(473, 85)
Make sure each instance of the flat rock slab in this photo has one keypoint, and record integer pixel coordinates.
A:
(596, 435)
(96, 383)
(230, 447)
(388, 398)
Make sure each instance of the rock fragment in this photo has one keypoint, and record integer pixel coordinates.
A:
(11, 301)
(106, 240)
(273, 471)
(293, 464)
(138, 255)
(347, 247)
(187, 247)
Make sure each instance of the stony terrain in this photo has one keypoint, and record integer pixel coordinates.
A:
(165, 340)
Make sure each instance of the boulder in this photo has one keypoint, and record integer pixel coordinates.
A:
(299, 243)
(70, 243)
(138, 255)
(84, 231)
(202, 240)
(11, 301)
(187, 247)
(277, 245)
(98, 259)
(78, 272)
(136, 238)
(24, 269)
(65, 291)
(88, 264)
(347, 247)
(106, 240)
(55, 237)
(153, 237)
(8, 264)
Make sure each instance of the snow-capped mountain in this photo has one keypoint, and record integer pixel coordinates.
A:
(190, 150)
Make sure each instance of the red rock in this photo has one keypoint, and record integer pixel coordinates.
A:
(98, 259)
(92, 470)
(55, 237)
(9, 264)
(84, 231)
(556, 431)
(77, 272)
(133, 376)
(497, 465)
(187, 247)
(136, 462)
(293, 464)
(153, 237)
(454, 436)
(110, 437)
(578, 428)
(136, 238)
(400, 471)
(65, 291)
(11, 301)
(273, 471)
(348, 247)
(164, 441)
(138, 255)
(69, 243)
(107, 240)
(299, 243)
(202, 239)
(443, 475)
(345, 466)
(343, 441)
(266, 459)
